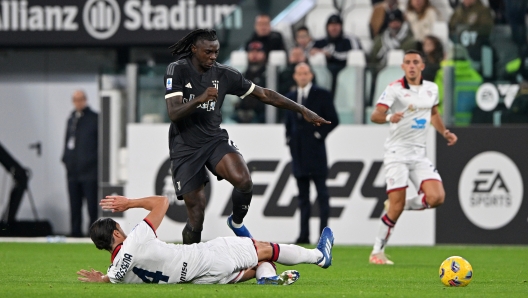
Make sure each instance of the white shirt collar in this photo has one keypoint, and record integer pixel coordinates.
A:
(304, 91)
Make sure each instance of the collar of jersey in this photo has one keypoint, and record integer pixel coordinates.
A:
(115, 252)
(189, 62)
(405, 84)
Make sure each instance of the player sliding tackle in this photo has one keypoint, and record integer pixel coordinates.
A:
(142, 258)
(413, 104)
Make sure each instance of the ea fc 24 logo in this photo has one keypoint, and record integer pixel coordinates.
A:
(490, 190)
(273, 208)
(101, 18)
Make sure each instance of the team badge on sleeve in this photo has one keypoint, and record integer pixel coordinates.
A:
(169, 84)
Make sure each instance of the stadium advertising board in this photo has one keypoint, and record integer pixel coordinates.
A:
(484, 177)
(356, 185)
(109, 22)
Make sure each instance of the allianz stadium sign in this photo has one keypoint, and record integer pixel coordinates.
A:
(110, 22)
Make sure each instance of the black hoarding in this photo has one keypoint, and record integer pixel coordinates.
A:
(110, 22)
(485, 175)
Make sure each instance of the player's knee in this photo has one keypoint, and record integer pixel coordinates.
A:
(244, 184)
(435, 200)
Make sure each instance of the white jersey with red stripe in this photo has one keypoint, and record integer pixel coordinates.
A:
(416, 102)
(143, 258)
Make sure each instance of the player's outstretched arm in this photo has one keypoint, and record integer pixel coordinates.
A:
(157, 205)
(273, 98)
(92, 276)
(438, 124)
(177, 109)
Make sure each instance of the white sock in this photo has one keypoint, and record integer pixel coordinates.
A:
(235, 225)
(291, 254)
(416, 203)
(384, 232)
(265, 269)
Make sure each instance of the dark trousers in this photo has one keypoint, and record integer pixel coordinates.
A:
(515, 12)
(79, 190)
(303, 183)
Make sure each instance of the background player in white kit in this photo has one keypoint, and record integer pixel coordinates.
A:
(412, 103)
(141, 258)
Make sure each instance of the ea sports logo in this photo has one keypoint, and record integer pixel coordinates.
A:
(165, 187)
(101, 18)
(490, 190)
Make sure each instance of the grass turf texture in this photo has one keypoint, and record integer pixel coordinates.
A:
(49, 270)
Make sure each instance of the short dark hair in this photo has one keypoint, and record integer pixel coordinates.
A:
(302, 28)
(101, 232)
(415, 52)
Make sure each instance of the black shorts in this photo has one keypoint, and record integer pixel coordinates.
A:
(188, 172)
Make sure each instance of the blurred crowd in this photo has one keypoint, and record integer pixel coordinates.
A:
(485, 42)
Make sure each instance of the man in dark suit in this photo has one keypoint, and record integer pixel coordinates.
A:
(80, 160)
(307, 146)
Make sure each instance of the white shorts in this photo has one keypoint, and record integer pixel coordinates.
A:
(402, 165)
(233, 255)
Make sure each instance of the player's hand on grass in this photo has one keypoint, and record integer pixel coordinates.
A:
(90, 276)
(210, 93)
(450, 137)
(114, 203)
(313, 118)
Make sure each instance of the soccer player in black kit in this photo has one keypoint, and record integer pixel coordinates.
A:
(195, 89)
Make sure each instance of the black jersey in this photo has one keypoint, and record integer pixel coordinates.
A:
(202, 125)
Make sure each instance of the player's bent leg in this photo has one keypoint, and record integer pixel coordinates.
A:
(266, 274)
(248, 274)
(434, 193)
(233, 168)
(195, 202)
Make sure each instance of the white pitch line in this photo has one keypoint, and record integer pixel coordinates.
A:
(50, 239)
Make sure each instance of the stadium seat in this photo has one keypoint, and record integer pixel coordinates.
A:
(444, 9)
(504, 49)
(349, 96)
(323, 77)
(239, 60)
(356, 58)
(440, 29)
(277, 58)
(347, 5)
(285, 29)
(386, 76)
(356, 22)
(317, 59)
(395, 58)
(316, 19)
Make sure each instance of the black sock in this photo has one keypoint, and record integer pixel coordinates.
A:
(191, 235)
(241, 201)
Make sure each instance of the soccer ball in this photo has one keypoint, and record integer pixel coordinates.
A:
(456, 271)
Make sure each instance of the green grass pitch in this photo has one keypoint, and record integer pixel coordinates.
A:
(49, 270)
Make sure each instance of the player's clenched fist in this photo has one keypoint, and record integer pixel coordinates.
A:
(396, 117)
(210, 93)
